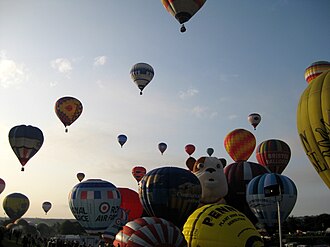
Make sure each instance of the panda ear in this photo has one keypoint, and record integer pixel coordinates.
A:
(190, 162)
(223, 162)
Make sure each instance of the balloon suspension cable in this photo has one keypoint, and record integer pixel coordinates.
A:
(141, 93)
(183, 28)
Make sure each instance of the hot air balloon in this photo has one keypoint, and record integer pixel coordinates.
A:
(150, 231)
(190, 149)
(313, 124)
(265, 208)
(80, 176)
(138, 172)
(162, 147)
(216, 225)
(15, 205)
(254, 119)
(240, 144)
(2, 185)
(142, 74)
(130, 202)
(46, 206)
(171, 193)
(315, 69)
(273, 154)
(183, 10)
(68, 109)
(238, 175)
(94, 203)
(210, 151)
(120, 220)
(122, 139)
(25, 142)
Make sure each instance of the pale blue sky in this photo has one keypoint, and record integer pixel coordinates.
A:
(236, 57)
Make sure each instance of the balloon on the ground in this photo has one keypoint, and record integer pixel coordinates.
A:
(265, 208)
(313, 124)
(162, 147)
(2, 185)
(171, 193)
(142, 74)
(274, 154)
(122, 139)
(130, 203)
(149, 232)
(80, 176)
(217, 225)
(254, 119)
(240, 144)
(315, 69)
(15, 205)
(46, 206)
(210, 151)
(25, 140)
(68, 109)
(138, 172)
(120, 220)
(182, 10)
(190, 149)
(94, 203)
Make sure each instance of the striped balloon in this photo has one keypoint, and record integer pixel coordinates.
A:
(315, 69)
(150, 232)
(273, 154)
(265, 208)
(240, 144)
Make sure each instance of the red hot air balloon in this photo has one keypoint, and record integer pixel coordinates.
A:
(240, 144)
(190, 149)
(273, 154)
(130, 203)
(138, 172)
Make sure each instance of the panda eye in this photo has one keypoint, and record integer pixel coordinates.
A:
(218, 166)
(200, 166)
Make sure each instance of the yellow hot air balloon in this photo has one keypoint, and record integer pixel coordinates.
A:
(216, 225)
(313, 124)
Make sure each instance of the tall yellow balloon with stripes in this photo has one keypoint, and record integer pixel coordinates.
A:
(313, 124)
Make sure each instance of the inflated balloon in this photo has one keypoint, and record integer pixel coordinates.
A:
(110, 233)
(25, 142)
(122, 139)
(15, 205)
(2, 185)
(210, 151)
(80, 176)
(68, 109)
(190, 149)
(240, 144)
(313, 124)
(265, 208)
(171, 193)
(130, 203)
(238, 176)
(273, 154)
(254, 119)
(215, 225)
(162, 147)
(46, 206)
(142, 74)
(94, 203)
(315, 69)
(150, 231)
(138, 172)
(183, 10)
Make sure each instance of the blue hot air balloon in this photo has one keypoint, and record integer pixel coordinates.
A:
(122, 139)
(162, 147)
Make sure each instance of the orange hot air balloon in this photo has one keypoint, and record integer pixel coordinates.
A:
(138, 172)
(240, 144)
(315, 69)
(80, 176)
(190, 149)
(68, 109)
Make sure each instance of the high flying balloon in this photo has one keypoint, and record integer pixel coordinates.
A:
(142, 74)
(183, 10)
(313, 124)
(162, 147)
(190, 149)
(254, 119)
(122, 139)
(68, 109)
(46, 206)
(210, 151)
(138, 172)
(80, 176)
(25, 142)
(15, 205)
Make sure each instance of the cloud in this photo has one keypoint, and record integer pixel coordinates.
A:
(11, 73)
(62, 65)
(189, 93)
(203, 112)
(100, 61)
(233, 116)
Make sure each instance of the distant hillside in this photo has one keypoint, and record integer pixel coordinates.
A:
(36, 221)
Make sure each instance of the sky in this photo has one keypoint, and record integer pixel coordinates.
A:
(236, 58)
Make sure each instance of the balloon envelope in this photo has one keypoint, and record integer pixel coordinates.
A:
(130, 203)
(94, 203)
(2, 185)
(80, 176)
(315, 69)
(216, 225)
(162, 147)
(138, 172)
(142, 74)
(15, 205)
(190, 149)
(122, 139)
(171, 193)
(254, 119)
(68, 109)
(25, 142)
(210, 151)
(273, 154)
(46, 206)
(120, 220)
